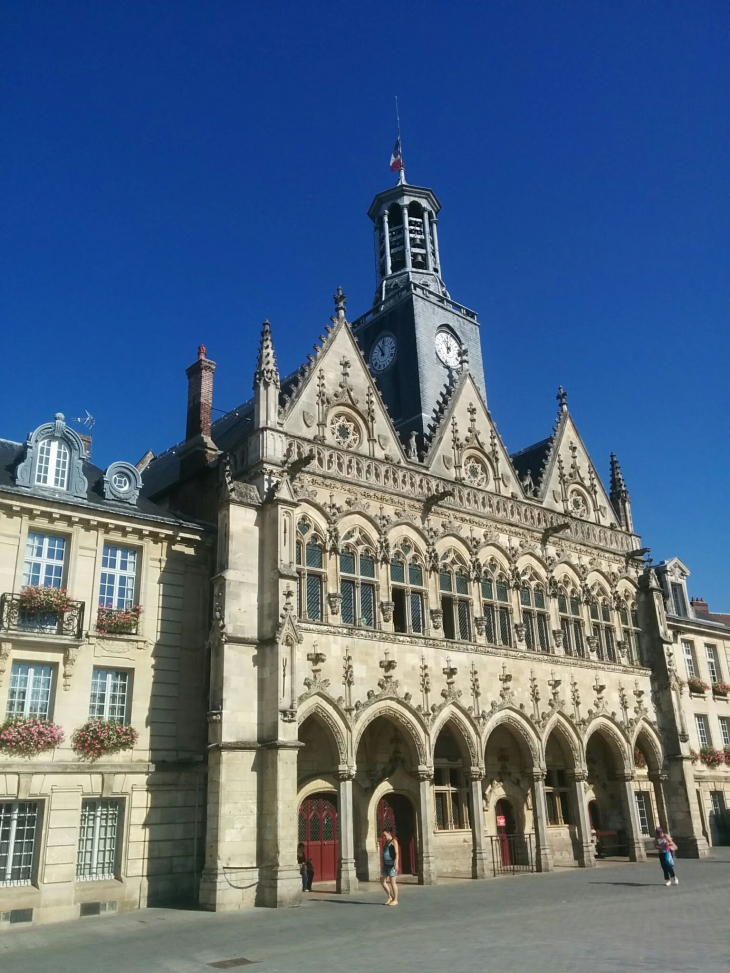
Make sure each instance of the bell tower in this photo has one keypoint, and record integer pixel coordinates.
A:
(415, 337)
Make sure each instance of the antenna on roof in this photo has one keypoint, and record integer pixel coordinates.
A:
(86, 438)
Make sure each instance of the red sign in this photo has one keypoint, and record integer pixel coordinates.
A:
(501, 821)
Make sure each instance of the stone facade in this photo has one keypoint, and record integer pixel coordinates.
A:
(387, 619)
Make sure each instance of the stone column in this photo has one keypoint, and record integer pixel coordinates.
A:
(543, 858)
(427, 862)
(280, 883)
(427, 237)
(346, 875)
(406, 236)
(586, 858)
(434, 233)
(386, 242)
(658, 780)
(637, 852)
(480, 859)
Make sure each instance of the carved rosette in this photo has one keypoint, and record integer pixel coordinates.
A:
(437, 618)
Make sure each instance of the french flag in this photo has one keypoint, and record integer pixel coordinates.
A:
(396, 159)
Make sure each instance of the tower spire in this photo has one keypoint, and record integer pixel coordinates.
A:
(266, 382)
(619, 495)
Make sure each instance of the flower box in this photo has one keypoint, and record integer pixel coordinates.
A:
(41, 600)
(97, 738)
(25, 736)
(118, 621)
(696, 685)
(711, 757)
(720, 688)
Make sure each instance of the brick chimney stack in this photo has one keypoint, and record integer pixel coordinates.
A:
(200, 396)
(701, 607)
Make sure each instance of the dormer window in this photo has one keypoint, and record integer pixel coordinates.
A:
(679, 601)
(52, 466)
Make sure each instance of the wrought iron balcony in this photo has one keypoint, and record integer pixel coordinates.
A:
(16, 617)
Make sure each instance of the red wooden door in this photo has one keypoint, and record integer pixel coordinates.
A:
(505, 815)
(395, 813)
(318, 831)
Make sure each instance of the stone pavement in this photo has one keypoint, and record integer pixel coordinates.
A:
(612, 918)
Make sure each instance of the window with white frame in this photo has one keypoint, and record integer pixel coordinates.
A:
(30, 690)
(703, 730)
(600, 612)
(44, 561)
(357, 585)
(713, 663)
(724, 722)
(571, 622)
(643, 806)
(535, 617)
(690, 663)
(311, 569)
(679, 601)
(451, 793)
(118, 577)
(407, 589)
(495, 608)
(53, 463)
(18, 829)
(455, 600)
(97, 851)
(109, 695)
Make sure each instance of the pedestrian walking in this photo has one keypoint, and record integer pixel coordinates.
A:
(306, 868)
(666, 848)
(388, 878)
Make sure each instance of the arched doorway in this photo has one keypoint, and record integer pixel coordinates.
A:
(318, 831)
(395, 812)
(506, 824)
(604, 763)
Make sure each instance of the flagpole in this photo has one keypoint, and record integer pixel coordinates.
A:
(402, 170)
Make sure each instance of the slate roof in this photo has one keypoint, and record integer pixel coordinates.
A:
(11, 455)
(531, 458)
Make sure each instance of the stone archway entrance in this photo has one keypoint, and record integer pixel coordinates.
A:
(395, 812)
(318, 831)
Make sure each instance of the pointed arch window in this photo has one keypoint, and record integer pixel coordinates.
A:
(535, 616)
(602, 628)
(496, 611)
(408, 589)
(52, 465)
(311, 569)
(357, 586)
(571, 622)
(630, 633)
(455, 599)
(451, 793)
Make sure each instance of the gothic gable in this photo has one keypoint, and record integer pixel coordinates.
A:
(570, 483)
(338, 404)
(465, 445)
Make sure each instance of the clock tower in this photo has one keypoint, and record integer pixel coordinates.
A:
(415, 336)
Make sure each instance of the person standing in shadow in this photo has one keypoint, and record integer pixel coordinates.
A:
(306, 868)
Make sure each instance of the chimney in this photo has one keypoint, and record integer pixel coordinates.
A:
(86, 440)
(200, 396)
(701, 607)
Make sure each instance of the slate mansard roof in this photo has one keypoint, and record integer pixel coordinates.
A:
(12, 454)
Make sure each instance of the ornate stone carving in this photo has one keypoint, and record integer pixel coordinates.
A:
(437, 618)
(507, 694)
(5, 648)
(334, 600)
(479, 624)
(386, 609)
(70, 656)
(450, 692)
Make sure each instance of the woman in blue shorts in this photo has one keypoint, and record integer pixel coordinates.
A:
(389, 870)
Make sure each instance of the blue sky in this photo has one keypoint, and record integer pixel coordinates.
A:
(173, 173)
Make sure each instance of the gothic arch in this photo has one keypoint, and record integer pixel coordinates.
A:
(494, 551)
(522, 730)
(406, 529)
(564, 727)
(358, 518)
(396, 711)
(600, 579)
(614, 737)
(567, 567)
(453, 541)
(328, 713)
(455, 713)
(644, 731)
(316, 514)
(531, 560)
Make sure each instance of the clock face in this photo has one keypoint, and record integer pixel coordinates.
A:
(383, 353)
(448, 348)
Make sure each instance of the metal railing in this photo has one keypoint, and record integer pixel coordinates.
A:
(512, 854)
(15, 618)
(612, 844)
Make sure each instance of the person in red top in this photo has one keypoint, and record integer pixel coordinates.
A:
(666, 848)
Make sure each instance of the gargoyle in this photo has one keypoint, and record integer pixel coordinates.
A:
(430, 502)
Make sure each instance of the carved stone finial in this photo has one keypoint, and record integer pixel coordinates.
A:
(340, 299)
(562, 398)
(267, 371)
